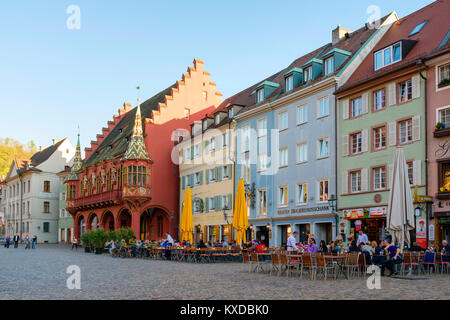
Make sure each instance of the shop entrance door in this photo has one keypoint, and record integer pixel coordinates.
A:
(263, 235)
(374, 229)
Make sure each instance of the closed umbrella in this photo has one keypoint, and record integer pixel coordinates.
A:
(400, 215)
(186, 223)
(240, 219)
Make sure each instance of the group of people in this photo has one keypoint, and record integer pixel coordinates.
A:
(30, 243)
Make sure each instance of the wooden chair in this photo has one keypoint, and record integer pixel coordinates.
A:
(322, 267)
(307, 264)
(284, 263)
(256, 262)
(246, 260)
(276, 264)
(429, 261)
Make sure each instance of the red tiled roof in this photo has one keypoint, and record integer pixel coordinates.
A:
(428, 39)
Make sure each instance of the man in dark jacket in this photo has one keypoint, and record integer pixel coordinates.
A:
(16, 240)
(416, 248)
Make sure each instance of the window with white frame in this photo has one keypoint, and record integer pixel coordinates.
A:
(217, 119)
(245, 138)
(197, 150)
(323, 107)
(405, 131)
(289, 83)
(379, 100)
(246, 168)
(226, 139)
(307, 73)
(329, 65)
(388, 56)
(355, 181)
(224, 202)
(205, 125)
(262, 127)
(356, 143)
(444, 75)
(356, 105)
(212, 144)
(225, 172)
(262, 162)
(302, 152)
(198, 178)
(302, 114)
(444, 117)
(260, 95)
(231, 113)
(410, 166)
(302, 193)
(211, 203)
(283, 157)
(405, 91)
(323, 148)
(283, 120)
(262, 202)
(379, 138)
(322, 190)
(212, 174)
(379, 178)
(283, 196)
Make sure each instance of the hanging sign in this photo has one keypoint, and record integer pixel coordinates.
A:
(354, 213)
(377, 212)
(421, 232)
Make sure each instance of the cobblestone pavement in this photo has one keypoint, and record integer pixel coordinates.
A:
(41, 274)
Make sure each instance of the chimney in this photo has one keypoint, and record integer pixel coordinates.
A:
(339, 33)
(56, 140)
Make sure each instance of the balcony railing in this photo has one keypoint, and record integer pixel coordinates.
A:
(97, 200)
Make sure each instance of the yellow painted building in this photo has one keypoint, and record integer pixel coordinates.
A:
(206, 165)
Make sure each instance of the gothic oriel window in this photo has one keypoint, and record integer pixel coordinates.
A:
(138, 175)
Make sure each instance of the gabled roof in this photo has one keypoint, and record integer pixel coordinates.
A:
(116, 142)
(428, 39)
(42, 156)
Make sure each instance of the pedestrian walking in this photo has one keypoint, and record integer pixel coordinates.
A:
(27, 242)
(16, 240)
(34, 242)
(75, 244)
(8, 241)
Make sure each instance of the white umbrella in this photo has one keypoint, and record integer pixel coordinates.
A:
(400, 214)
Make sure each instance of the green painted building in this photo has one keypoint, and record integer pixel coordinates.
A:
(65, 220)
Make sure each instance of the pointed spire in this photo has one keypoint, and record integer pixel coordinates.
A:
(136, 148)
(77, 161)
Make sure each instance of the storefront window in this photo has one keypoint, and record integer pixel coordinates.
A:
(445, 177)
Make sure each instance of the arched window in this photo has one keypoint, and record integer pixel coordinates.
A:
(72, 192)
(89, 186)
(109, 180)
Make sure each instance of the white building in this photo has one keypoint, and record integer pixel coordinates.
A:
(31, 192)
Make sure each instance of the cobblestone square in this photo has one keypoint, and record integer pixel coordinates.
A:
(41, 274)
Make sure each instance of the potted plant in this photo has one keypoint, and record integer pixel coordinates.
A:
(444, 83)
(440, 126)
(86, 241)
(99, 237)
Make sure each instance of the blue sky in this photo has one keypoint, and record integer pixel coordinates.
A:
(54, 79)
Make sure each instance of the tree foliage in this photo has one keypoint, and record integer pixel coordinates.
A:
(10, 149)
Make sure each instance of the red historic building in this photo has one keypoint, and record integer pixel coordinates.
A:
(128, 177)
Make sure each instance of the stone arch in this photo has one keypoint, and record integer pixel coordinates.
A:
(80, 226)
(123, 218)
(107, 220)
(154, 223)
(93, 221)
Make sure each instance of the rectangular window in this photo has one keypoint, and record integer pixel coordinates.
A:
(405, 131)
(355, 181)
(212, 175)
(46, 207)
(217, 119)
(444, 76)
(283, 196)
(212, 204)
(302, 193)
(46, 186)
(260, 95)
(323, 191)
(283, 120)
(379, 100)
(289, 83)
(323, 148)
(410, 166)
(245, 138)
(405, 91)
(231, 113)
(262, 162)
(307, 73)
(262, 202)
(356, 143)
(198, 177)
(225, 172)
(46, 227)
(388, 56)
(379, 138)
(444, 117)
(379, 178)
(197, 150)
(356, 106)
(323, 107)
(283, 157)
(302, 114)
(262, 127)
(302, 152)
(329, 66)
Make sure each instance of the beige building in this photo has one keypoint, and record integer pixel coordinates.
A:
(206, 165)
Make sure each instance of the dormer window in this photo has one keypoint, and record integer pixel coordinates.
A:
(308, 74)
(329, 65)
(231, 113)
(205, 125)
(289, 83)
(217, 119)
(388, 56)
(260, 96)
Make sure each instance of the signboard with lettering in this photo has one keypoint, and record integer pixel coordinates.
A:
(377, 212)
(354, 213)
(431, 232)
(421, 232)
(310, 209)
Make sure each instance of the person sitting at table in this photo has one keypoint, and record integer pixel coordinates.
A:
(394, 258)
(112, 245)
(322, 246)
(187, 244)
(133, 246)
(234, 245)
(260, 247)
(353, 247)
(312, 246)
(335, 247)
(225, 244)
(431, 247)
(444, 248)
(201, 244)
(300, 247)
(416, 248)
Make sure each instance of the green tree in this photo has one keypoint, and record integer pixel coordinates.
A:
(11, 149)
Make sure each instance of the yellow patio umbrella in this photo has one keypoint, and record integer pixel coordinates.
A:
(186, 222)
(240, 219)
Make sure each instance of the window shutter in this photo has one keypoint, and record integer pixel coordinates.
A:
(392, 99)
(365, 140)
(201, 177)
(183, 182)
(229, 201)
(417, 172)
(391, 171)
(206, 146)
(219, 142)
(230, 173)
(416, 128)
(345, 146)
(415, 86)
(364, 180)
(217, 203)
(365, 103)
(191, 180)
(345, 183)
(192, 152)
(345, 109)
(392, 133)
(207, 176)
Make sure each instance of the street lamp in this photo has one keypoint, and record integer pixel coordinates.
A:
(225, 215)
(332, 202)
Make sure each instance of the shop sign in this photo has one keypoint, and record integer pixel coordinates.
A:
(354, 213)
(444, 220)
(421, 232)
(431, 232)
(377, 212)
(286, 211)
(310, 209)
